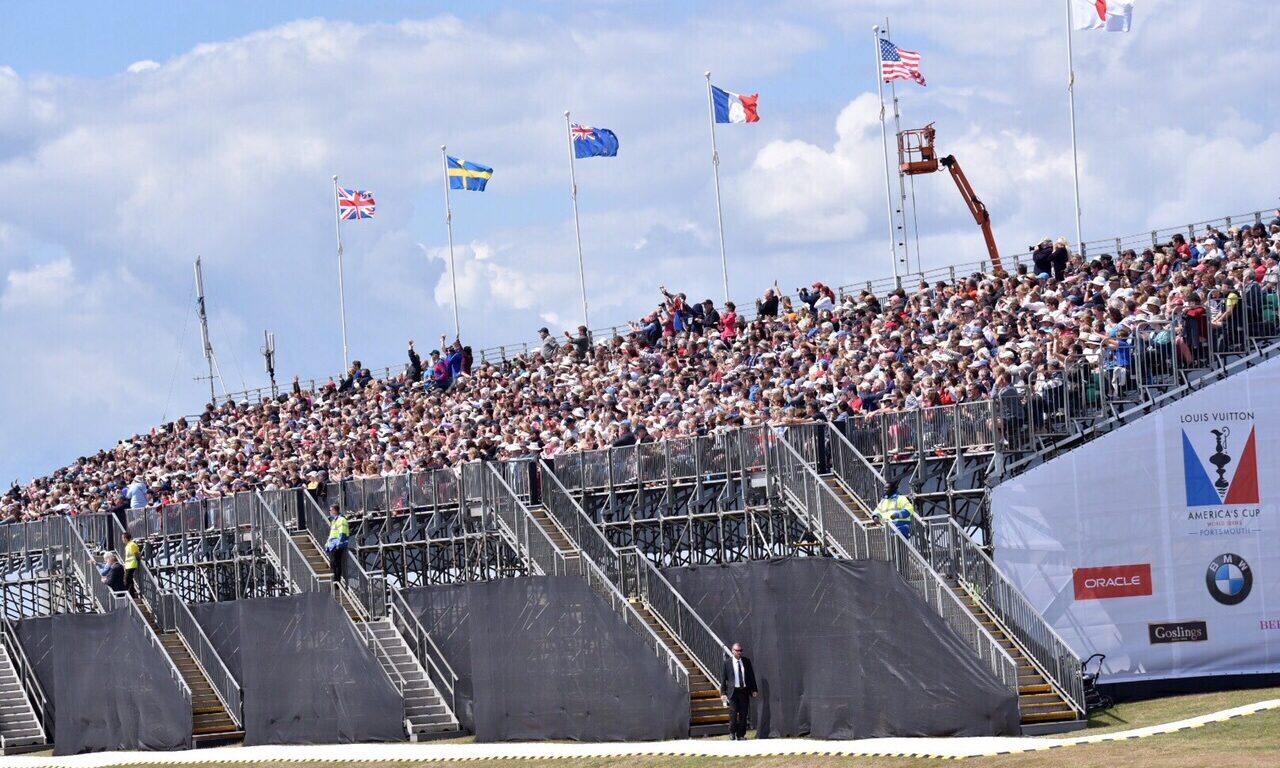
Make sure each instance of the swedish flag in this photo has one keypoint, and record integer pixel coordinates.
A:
(464, 174)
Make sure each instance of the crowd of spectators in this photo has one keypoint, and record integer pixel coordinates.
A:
(690, 367)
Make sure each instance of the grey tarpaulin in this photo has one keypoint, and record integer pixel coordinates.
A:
(36, 637)
(221, 624)
(114, 688)
(549, 659)
(307, 677)
(846, 650)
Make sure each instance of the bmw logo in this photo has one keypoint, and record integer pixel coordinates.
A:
(1229, 579)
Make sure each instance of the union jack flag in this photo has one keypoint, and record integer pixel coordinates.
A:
(355, 204)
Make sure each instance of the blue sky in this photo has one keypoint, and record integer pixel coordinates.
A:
(142, 134)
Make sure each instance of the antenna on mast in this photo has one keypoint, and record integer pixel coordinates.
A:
(269, 352)
(209, 357)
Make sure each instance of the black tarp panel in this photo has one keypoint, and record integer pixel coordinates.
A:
(114, 688)
(549, 659)
(308, 678)
(221, 624)
(36, 637)
(846, 650)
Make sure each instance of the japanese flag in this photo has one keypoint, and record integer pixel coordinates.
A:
(1111, 15)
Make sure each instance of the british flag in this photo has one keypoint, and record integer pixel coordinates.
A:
(355, 204)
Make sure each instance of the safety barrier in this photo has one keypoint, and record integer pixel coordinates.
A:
(26, 675)
(276, 541)
(369, 590)
(950, 551)
(639, 578)
(424, 648)
(511, 517)
(634, 576)
(813, 501)
(829, 518)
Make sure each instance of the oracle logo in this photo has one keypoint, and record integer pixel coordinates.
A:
(1108, 581)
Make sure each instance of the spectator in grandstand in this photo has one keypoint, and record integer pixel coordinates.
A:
(113, 574)
(768, 306)
(415, 364)
(336, 545)
(137, 493)
(738, 687)
(1059, 259)
(581, 342)
(549, 346)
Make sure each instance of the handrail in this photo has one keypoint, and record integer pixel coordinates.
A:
(921, 577)
(223, 682)
(834, 523)
(689, 628)
(100, 592)
(527, 537)
(424, 648)
(909, 563)
(26, 675)
(702, 641)
(369, 590)
(952, 551)
(863, 481)
(276, 538)
(131, 606)
(587, 568)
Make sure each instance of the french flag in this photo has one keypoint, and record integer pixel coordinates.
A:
(733, 107)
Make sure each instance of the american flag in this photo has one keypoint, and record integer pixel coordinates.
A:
(355, 204)
(899, 64)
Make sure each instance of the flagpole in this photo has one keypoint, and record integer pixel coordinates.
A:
(577, 228)
(884, 141)
(715, 171)
(448, 221)
(1071, 108)
(342, 296)
(902, 187)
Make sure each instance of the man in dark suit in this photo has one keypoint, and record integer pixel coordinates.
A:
(738, 688)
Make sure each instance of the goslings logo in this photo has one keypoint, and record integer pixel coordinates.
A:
(1220, 473)
(1229, 579)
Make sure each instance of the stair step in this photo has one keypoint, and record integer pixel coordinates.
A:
(1046, 717)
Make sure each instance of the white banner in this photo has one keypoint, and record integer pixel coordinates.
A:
(1159, 544)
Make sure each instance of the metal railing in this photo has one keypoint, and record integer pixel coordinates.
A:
(930, 585)
(950, 551)
(859, 476)
(424, 648)
(577, 526)
(513, 519)
(369, 590)
(277, 542)
(532, 542)
(825, 512)
(635, 576)
(834, 525)
(26, 674)
(640, 578)
(1155, 238)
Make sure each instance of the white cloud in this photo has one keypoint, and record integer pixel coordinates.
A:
(227, 151)
(44, 286)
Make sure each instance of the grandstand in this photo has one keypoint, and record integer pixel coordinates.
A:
(614, 482)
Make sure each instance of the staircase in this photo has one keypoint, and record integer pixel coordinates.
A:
(563, 544)
(20, 729)
(1039, 702)
(426, 715)
(708, 714)
(425, 712)
(211, 723)
(856, 507)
